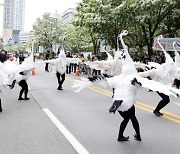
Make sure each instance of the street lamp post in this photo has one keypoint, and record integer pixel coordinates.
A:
(1, 4)
(56, 32)
(33, 45)
(55, 16)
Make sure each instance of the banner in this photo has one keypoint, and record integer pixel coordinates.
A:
(167, 44)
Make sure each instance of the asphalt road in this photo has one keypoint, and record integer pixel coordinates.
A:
(26, 128)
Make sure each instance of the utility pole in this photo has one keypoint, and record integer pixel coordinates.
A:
(1, 4)
(56, 16)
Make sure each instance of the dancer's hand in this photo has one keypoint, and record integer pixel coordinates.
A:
(135, 81)
(115, 106)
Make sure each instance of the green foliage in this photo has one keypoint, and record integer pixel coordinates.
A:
(19, 47)
(1, 45)
(78, 38)
(98, 20)
(144, 19)
(48, 31)
(88, 18)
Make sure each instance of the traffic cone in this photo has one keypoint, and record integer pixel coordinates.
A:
(33, 72)
(77, 71)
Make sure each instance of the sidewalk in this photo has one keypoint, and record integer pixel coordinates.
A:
(26, 129)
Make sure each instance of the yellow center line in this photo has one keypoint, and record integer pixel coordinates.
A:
(148, 108)
(145, 107)
(102, 90)
(99, 91)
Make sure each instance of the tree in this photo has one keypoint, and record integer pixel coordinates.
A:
(48, 31)
(86, 18)
(1, 44)
(144, 19)
(78, 38)
(171, 25)
(113, 20)
(149, 15)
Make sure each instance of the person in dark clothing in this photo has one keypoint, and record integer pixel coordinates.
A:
(177, 83)
(21, 58)
(3, 56)
(47, 57)
(165, 100)
(68, 67)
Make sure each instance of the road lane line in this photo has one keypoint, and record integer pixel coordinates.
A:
(164, 116)
(177, 103)
(74, 142)
(169, 116)
(150, 107)
(97, 90)
(103, 90)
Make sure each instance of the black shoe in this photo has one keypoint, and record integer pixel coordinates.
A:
(26, 98)
(157, 113)
(59, 88)
(138, 138)
(123, 138)
(1, 109)
(20, 98)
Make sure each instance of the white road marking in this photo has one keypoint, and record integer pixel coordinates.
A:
(177, 103)
(74, 142)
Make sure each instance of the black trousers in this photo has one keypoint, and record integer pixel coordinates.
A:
(61, 78)
(73, 67)
(165, 100)
(129, 115)
(177, 83)
(46, 67)
(23, 84)
(68, 68)
(0, 106)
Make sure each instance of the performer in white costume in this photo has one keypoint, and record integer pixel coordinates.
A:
(125, 93)
(18, 74)
(126, 85)
(22, 75)
(165, 73)
(3, 83)
(60, 64)
(7, 75)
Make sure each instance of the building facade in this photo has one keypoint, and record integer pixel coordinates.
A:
(24, 37)
(68, 15)
(14, 13)
(9, 35)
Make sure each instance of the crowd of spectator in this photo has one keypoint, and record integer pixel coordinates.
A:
(84, 69)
